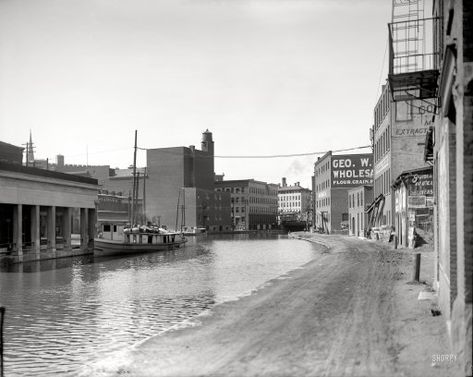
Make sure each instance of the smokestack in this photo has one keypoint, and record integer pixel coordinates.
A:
(60, 161)
(284, 184)
(207, 144)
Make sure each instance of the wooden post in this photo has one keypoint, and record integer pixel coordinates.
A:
(417, 267)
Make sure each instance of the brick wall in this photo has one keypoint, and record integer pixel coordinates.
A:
(339, 205)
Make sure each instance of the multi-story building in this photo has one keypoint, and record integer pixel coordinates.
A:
(334, 175)
(449, 148)
(398, 136)
(404, 110)
(254, 204)
(293, 199)
(358, 199)
(294, 204)
(180, 187)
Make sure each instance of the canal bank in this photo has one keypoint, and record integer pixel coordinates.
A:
(66, 314)
(350, 311)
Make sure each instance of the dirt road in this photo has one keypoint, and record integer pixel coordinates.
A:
(349, 312)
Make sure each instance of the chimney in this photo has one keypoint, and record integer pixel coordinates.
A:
(284, 184)
(207, 144)
(60, 161)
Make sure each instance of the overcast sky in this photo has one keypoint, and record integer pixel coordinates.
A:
(265, 76)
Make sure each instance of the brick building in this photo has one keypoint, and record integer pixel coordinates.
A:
(254, 204)
(334, 175)
(449, 147)
(358, 200)
(184, 177)
(398, 135)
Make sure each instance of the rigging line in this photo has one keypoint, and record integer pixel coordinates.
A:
(296, 154)
(97, 152)
(276, 155)
(381, 71)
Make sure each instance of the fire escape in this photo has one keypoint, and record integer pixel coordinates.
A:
(413, 57)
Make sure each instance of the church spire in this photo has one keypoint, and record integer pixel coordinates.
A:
(30, 152)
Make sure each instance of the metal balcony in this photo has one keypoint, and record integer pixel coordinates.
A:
(413, 59)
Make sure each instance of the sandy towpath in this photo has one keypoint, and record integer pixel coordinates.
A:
(349, 312)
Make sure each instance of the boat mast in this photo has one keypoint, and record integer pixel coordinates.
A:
(177, 208)
(137, 190)
(133, 203)
(183, 220)
(144, 195)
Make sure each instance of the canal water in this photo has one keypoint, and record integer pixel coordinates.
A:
(64, 316)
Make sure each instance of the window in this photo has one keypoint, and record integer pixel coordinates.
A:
(403, 111)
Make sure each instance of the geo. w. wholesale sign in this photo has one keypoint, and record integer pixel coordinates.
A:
(352, 170)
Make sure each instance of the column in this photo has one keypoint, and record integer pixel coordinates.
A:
(84, 234)
(91, 221)
(35, 236)
(66, 226)
(52, 228)
(18, 228)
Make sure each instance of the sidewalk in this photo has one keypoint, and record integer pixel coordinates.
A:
(349, 312)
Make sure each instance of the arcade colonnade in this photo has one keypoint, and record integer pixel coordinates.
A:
(45, 214)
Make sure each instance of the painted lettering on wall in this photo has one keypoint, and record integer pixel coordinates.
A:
(421, 185)
(419, 131)
(352, 170)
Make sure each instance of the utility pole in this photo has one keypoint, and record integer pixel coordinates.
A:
(134, 182)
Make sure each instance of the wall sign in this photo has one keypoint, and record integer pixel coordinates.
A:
(416, 201)
(352, 170)
(421, 184)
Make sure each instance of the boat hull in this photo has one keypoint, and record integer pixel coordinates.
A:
(108, 247)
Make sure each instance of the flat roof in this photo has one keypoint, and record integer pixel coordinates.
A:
(233, 181)
(17, 168)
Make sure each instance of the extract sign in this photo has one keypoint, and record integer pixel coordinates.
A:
(352, 170)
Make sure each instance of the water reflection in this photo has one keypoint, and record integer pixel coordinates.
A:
(62, 318)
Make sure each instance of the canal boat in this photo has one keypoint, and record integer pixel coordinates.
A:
(138, 240)
(115, 239)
